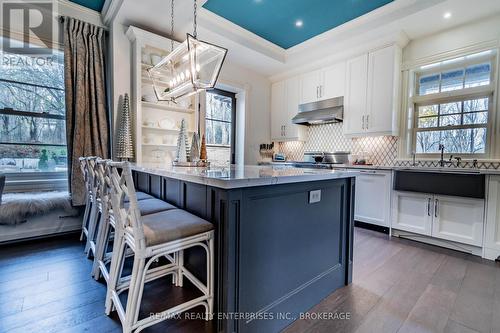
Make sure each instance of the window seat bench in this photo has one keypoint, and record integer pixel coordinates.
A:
(36, 214)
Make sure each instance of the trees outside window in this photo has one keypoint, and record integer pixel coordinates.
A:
(32, 114)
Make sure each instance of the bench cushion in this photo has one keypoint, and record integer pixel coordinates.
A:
(171, 225)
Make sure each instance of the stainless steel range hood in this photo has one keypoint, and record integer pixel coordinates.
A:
(325, 111)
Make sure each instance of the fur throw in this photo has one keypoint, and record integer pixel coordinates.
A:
(16, 207)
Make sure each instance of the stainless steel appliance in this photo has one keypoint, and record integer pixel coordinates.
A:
(325, 111)
(323, 160)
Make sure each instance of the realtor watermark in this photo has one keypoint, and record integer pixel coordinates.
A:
(251, 316)
(28, 32)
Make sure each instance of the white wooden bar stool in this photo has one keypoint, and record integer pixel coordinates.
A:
(87, 164)
(165, 234)
(106, 224)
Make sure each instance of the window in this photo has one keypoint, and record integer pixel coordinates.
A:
(452, 105)
(32, 114)
(219, 125)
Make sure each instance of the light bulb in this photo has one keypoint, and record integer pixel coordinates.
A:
(188, 73)
(198, 67)
(183, 76)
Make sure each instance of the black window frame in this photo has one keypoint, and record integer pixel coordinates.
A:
(233, 120)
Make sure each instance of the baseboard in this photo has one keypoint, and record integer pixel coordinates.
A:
(474, 250)
(370, 226)
(63, 235)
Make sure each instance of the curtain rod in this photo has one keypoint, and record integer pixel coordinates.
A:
(60, 18)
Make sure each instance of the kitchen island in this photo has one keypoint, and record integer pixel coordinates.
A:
(283, 236)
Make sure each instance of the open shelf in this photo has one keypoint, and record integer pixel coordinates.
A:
(163, 106)
(161, 145)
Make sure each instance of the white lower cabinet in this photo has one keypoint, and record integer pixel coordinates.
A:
(446, 217)
(458, 219)
(412, 212)
(492, 233)
(373, 197)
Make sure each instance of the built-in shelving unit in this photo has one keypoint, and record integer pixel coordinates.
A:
(149, 113)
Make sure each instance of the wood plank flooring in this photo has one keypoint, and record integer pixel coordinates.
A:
(399, 286)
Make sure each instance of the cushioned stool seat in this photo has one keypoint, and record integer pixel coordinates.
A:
(141, 196)
(171, 225)
(152, 206)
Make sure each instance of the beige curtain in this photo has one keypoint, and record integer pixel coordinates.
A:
(87, 123)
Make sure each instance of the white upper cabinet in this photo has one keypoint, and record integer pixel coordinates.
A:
(323, 84)
(371, 104)
(355, 95)
(285, 97)
(310, 84)
(278, 110)
(333, 81)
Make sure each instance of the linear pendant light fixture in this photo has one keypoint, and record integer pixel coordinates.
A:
(193, 66)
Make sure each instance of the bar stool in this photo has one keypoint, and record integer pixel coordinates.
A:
(165, 234)
(87, 165)
(106, 224)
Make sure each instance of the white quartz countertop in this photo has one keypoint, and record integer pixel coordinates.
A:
(237, 176)
(444, 169)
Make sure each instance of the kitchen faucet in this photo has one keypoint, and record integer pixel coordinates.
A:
(441, 161)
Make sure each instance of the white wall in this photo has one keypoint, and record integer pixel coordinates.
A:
(453, 39)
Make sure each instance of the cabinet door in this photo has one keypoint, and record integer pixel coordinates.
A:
(291, 130)
(458, 219)
(492, 234)
(355, 95)
(309, 87)
(373, 195)
(278, 110)
(333, 81)
(412, 212)
(383, 91)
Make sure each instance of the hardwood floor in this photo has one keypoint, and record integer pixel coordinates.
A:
(405, 286)
(399, 286)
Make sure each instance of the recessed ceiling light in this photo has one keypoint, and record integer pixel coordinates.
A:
(447, 15)
(299, 23)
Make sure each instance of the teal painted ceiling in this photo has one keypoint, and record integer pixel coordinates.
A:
(92, 4)
(287, 23)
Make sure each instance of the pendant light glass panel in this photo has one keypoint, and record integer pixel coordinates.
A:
(193, 66)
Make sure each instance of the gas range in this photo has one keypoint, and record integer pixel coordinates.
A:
(317, 165)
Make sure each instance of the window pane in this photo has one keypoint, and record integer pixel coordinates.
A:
(427, 122)
(219, 107)
(452, 80)
(20, 129)
(450, 120)
(23, 97)
(428, 110)
(40, 71)
(479, 140)
(30, 158)
(461, 141)
(476, 105)
(427, 142)
(457, 141)
(475, 118)
(429, 84)
(449, 108)
(477, 75)
(209, 132)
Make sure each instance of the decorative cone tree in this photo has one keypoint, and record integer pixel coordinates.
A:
(182, 151)
(124, 144)
(203, 149)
